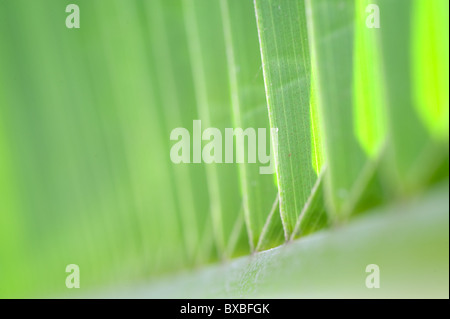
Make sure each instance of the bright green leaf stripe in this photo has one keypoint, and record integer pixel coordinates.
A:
(331, 28)
(248, 105)
(287, 70)
(368, 90)
(316, 136)
(430, 63)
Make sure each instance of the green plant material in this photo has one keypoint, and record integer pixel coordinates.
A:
(169, 62)
(313, 216)
(272, 234)
(413, 155)
(135, 86)
(369, 97)
(430, 64)
(332, 53)
(85, 172)
(210, 74)
(11, 236)
(249, 107)
(316, 138)
(287, 71)
(332, 264)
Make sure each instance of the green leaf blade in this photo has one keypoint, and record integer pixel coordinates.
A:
(287, 71)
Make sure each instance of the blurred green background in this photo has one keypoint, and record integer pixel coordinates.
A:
(86, 116)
